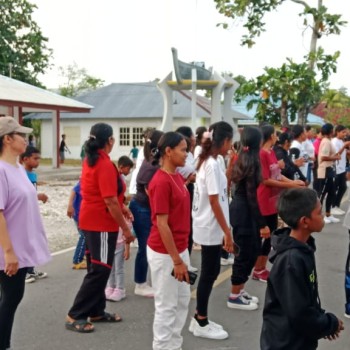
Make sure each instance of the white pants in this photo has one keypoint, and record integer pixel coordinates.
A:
(171, 299)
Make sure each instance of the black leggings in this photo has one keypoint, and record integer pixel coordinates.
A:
(210, 270)
(339, 189)
(326, 189)
(91, 299)
(272, 223)
(11, 294)
(347, 276)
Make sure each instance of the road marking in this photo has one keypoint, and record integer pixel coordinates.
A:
(63, 251)
(225, 275)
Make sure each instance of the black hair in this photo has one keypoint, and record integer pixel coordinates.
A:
(199, 134)
(327, 129)
(221, 131)
(308, 127)
(294, 203)
(248, 161)
(151, 143)
(125, 161)
(297, 130)
(30, 150)
(99, 137)
(185, 130)
(237, 146)
(285, 136)
(267, 131)
(339, 128)
(169, 139)
(1, 143)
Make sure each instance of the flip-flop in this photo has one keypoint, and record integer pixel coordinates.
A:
(79, 326)
(106, 317)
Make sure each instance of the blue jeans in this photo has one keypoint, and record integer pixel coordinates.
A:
(142, 227)
(80, 248)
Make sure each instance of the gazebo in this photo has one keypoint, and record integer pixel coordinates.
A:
(17, 98)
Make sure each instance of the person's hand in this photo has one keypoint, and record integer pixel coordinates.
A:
(128, 237)
(127, 252)
(347, 144)
(70, 211)
(127, 213)
(281, 164)
(228, 242)
(191, 178)
(307, 183)
(299, 162)
(42, 197)
(337, 156)
(265, 232)
(299, 183)
(181, 272)
(11, 263)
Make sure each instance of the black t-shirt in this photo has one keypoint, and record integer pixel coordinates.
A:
(62, 146)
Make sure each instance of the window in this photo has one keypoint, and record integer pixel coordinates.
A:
(137, 135)
(124, 136)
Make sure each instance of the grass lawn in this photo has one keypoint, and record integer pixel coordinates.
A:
(71, 162)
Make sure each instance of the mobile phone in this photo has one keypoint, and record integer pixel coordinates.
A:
(192, 276)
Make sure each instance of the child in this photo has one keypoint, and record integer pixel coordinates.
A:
(347, 269)
(73, 212)
(292, 316)
(30, 160)
(115, 290)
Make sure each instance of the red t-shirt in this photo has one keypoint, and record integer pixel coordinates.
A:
(97, 183)
(169, 195)
(268, 195)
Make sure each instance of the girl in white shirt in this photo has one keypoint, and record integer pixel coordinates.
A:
(211, 226)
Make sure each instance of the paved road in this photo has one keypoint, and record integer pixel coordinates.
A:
(39, 322)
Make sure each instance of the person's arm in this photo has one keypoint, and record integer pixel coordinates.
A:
(180, 268)
(11, 261)
(117, 214)
(292, 289)
(70, 208)
(42, 197)
(220, 218)
(283, 183)
(127, 251)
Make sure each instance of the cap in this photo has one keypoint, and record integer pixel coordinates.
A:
(8, 125)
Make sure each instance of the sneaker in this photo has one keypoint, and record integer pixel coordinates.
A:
(144, 290)
(249, 297)
(117, 295)
(80, 266)
(108, 292)
(209, 332)
(228, 261)
(192, 268)
(29, 278)
(347, 310)
(193, 322)
(331, 220)
(337, 211)
(38, 275)
(241, 303)
(326, 220)
(261, 276)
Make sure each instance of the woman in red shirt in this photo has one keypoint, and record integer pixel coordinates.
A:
(99, 219)
(167, 246)
(268, 192)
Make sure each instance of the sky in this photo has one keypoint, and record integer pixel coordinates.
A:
(130, 41)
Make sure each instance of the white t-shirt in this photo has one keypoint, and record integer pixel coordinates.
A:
(188, 168)
(303, 154)
(210, 180)
(139, 161)
(309, 149)
(340, 164)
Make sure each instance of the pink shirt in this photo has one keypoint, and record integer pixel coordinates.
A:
(19, 202)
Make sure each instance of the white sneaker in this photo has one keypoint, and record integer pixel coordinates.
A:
(192, 268)
(326, 220)
(332, 219)
(249, 297)
(228, 261)
(144, 290)
(193, 322)
(209, 332)
(337, 211)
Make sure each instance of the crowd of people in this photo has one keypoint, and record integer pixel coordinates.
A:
(240, 203)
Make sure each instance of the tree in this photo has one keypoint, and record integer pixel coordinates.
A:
(78, 81)
(23, 49)
(253, 11)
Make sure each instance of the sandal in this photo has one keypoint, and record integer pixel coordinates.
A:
(79, 326)
(106, 317)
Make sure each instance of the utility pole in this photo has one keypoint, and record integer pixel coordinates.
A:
(10, 70)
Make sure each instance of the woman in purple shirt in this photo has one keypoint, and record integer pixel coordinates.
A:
(23, 241)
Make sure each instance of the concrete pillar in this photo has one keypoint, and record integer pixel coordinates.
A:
(55, 138)
(167, 93)
(216, 109)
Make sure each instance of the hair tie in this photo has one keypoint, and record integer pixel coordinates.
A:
(208, 135)
(92, 137)
(154, 151)
(245, 148)
(149, 140)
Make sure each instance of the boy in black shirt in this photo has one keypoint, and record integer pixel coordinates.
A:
(293, 318)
